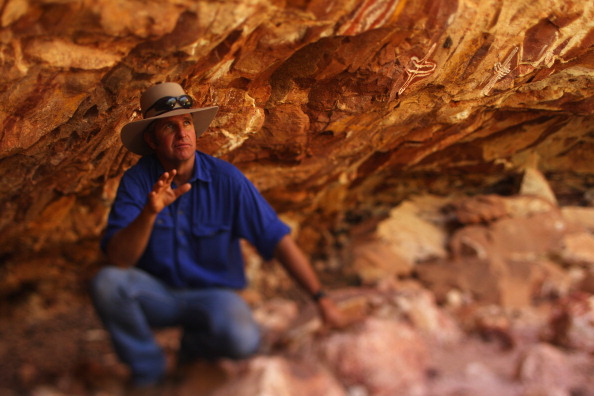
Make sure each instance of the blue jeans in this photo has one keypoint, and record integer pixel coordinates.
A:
(130, 302)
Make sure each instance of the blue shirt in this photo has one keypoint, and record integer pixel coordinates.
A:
(195, 240)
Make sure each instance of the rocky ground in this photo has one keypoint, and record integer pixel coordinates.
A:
(405, 344)
(484, 295)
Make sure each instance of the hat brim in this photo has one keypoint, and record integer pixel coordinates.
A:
(132, 133)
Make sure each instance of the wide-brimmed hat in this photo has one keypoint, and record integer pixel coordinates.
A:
(161, 101)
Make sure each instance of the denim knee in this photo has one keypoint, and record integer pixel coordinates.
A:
(245, 342)
(225, 326)
(112, 293)
(236, 326)
(106, 286)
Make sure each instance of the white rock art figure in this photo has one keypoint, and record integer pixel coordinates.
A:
(500, 70)
(421, 68)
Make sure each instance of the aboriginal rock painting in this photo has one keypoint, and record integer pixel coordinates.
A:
(546, 57)
(421, 68)
(371, 14)
(500, 70)
(536, 51)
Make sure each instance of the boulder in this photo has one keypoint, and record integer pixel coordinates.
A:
(384, 356)
(278, 376)
(577, 249)
(534, 183)
(413, 232)
(545, 366)
(583, 216)
(572, 322)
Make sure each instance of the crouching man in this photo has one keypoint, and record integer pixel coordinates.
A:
(172, 240)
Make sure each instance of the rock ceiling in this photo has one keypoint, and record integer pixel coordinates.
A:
(337, 110)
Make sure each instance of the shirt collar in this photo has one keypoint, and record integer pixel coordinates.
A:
(201, 168)
(201, 171)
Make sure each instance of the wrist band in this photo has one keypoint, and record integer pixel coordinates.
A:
(319, 295)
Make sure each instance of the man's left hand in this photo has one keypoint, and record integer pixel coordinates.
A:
(332, 316)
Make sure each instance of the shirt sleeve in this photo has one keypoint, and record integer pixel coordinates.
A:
(129, 201)
(256, 220)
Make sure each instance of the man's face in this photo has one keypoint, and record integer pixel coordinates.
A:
(174, 138)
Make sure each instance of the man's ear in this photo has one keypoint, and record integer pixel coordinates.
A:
(149, 138)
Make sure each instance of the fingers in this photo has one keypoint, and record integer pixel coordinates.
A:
(184, 188)
(163, 194)
(336, 318)
(164, 181)
(169, 176)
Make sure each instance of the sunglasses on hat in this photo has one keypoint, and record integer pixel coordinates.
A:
(168, 103)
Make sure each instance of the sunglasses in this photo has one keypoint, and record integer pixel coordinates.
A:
(168, 103)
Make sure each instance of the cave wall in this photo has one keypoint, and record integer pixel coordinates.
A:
(335, 110)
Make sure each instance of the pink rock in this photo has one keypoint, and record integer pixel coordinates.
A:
(544, 364)
(376, 261)
(277, 376)
(275, 318)
(419, 307)
(578, 248)
(572, 323)
(584, 216)
(479, 209)
(384, 356)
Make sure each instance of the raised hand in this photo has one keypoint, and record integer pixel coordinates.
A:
(163, 194)
(127, 245)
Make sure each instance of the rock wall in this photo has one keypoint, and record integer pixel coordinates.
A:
(336, 110)
(386, 132)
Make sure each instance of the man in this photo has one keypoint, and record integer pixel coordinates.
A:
(173, 241)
